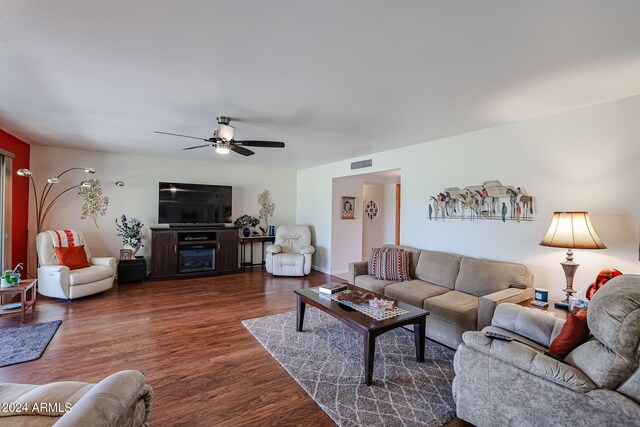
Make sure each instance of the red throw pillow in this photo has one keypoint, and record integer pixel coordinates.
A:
(73, 257)
(574, 332)
(389, 264)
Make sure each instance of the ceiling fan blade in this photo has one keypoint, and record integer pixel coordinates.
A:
(177, 134)
(268, 144)
(241, 150)
(198, 146)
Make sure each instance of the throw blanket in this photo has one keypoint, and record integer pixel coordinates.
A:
(64, 238)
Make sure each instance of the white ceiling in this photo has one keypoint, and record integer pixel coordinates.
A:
(332, 78)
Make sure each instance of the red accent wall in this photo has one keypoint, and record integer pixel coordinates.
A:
(20, 197)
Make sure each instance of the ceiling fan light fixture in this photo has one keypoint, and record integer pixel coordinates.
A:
(223, 140)
(221, 149)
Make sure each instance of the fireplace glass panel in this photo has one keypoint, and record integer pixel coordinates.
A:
(197, 259)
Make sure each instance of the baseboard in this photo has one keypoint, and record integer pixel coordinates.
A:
(339, 272)
(320, 269)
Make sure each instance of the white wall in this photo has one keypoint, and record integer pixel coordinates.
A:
(139, 196)
(388, 212)
(586, 159)
(346, 234)
(372, 230)
(381, 230)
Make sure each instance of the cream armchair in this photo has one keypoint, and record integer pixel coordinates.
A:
(58, 281)
(514, 383)
(290, 255)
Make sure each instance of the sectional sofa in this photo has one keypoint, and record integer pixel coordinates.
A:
(460, 292)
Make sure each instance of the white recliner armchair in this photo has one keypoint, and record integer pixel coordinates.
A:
(58, 281)
(290, 255)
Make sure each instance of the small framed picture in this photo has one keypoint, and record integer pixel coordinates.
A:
(126, 254)
(348, 207)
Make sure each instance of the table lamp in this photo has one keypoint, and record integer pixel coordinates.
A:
(571, 230)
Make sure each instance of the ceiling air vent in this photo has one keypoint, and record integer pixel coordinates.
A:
(362, 164)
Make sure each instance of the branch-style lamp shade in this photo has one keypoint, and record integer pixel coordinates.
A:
(41, 206)
(571, 230)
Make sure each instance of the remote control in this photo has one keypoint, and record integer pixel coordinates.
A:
(539, 303)
(497, 336)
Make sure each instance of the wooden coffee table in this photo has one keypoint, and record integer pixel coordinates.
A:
(366, 326)
(24, 288)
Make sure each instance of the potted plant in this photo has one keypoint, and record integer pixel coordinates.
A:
(246, 221)
(11, 278)
(131, 232)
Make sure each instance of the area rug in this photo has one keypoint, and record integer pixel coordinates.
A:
(326, 359)
(25, 343)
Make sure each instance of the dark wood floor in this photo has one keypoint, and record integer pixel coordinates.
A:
(204, 366)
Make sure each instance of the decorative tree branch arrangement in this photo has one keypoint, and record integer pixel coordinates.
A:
(267, 207)
(94, 204)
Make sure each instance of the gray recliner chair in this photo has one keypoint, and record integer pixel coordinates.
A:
(501, 383)
(120, 400)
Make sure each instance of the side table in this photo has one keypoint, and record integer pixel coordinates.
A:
(250, 241)
(26, 290)
(133, 270)
(558, 312)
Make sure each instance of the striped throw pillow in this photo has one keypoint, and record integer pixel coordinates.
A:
(374, 260)
(389, 264)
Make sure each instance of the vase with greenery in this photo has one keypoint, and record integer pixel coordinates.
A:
(130, 229)
(246, 222)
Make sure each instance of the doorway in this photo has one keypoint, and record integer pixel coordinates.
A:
(376, 220)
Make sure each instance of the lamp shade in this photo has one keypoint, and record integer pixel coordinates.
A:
(226, 132)
(572, 230)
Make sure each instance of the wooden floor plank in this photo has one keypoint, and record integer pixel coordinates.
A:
(205, 367)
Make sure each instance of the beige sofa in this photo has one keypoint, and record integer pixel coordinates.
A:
(460, 292)
(122, 399)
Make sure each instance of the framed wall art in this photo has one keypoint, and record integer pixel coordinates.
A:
(348, 207)
(371, 210)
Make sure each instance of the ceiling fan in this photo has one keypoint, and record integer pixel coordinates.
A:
(223, 141)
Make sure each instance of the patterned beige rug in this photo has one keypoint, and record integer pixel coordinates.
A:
(327, 361)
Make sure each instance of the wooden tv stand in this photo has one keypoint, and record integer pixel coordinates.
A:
(184, 252)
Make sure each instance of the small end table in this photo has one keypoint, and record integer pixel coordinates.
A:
(251, 240)
(133, 270)
(560, 313)
(24, 288)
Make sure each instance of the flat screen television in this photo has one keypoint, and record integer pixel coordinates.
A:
(193, 204)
